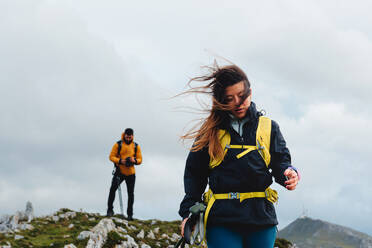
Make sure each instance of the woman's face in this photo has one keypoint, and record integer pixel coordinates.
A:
(234, 95)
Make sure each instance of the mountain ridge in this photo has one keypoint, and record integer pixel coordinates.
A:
(306, 232)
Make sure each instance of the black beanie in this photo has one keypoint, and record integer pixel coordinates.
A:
(128, 131)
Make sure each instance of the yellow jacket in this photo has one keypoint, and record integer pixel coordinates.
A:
(126, 151)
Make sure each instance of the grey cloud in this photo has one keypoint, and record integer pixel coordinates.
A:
(75, 74)
(67, 97)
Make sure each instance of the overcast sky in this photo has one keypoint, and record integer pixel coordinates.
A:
(75, 74)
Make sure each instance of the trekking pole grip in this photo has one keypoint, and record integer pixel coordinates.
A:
(180, 243)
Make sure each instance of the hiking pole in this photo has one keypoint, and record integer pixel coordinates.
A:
(180, 243)
(194, 227)
(120, 196)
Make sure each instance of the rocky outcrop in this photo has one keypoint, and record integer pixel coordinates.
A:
(99, 233)
(70, 229)
(19, 221)
(29, 212)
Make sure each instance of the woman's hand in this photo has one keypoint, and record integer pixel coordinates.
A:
(183, 226)
(292, 179)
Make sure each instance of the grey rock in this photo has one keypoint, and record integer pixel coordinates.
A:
(16, 237)
(99, 233)
(70, 215)
(150, 235)
(132, 227)
(175, 237)
(25, 226)
(121, 229)
(70, 246)
(141, 234)
(118, 220)
(29, 211)
(130, 243)
(8, 245)
(5, 229)
(5, 219)
(84, 235)
(10, 223)
(14, 221)
(67, 215)
(22, 216)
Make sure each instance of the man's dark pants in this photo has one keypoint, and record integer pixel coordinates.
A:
(117, 179)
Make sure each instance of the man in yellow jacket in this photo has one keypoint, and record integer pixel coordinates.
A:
(125, 154)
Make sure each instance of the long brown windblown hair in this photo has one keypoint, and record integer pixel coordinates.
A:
(217, 80)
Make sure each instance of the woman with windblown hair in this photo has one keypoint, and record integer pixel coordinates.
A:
(238, 152)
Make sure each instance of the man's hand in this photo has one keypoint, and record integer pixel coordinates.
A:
(129, 161)
(292, 179)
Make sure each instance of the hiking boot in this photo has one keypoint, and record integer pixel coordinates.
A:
(130, 217)
(110, 213)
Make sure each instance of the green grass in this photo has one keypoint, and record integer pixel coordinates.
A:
(113, 238)
(48, 233)
(282, 243)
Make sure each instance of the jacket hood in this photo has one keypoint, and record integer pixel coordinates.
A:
(252, 112)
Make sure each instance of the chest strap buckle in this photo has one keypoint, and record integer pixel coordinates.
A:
(234, 195)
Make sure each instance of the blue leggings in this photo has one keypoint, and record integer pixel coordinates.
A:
(222, 237)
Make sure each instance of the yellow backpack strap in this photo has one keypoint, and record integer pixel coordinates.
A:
(209, 198)
(247, 150)
(263, 136)
(225, 139)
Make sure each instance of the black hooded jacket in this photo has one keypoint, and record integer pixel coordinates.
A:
(247, 174)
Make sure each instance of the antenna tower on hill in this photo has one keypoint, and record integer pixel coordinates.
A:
(305, 212)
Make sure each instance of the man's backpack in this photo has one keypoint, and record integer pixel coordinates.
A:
(116, 167)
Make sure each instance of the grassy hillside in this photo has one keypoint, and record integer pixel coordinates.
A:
(59, 231)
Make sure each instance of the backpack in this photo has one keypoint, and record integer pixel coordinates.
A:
(263, 135)
(119, 142)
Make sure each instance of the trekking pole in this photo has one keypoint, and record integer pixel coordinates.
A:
(180, 243)
(194, 227)
(120, 196)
